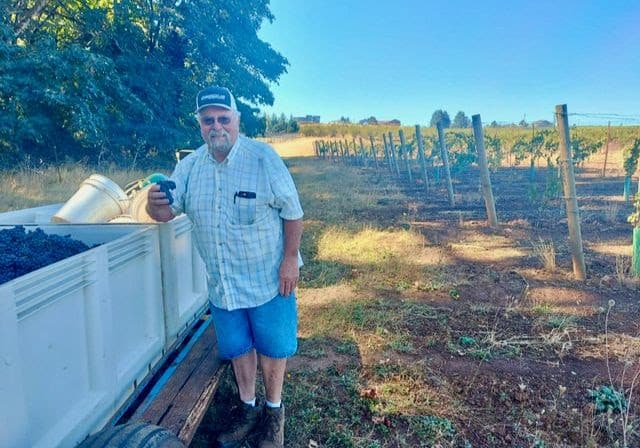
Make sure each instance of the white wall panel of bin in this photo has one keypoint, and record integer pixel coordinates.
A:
(34, 215)
(184, 276)
(78, 335)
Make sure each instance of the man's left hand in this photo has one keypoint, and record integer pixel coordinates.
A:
(288, 276)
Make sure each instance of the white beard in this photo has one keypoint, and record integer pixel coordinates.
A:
(221, 146)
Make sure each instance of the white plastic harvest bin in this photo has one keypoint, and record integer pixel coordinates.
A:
(77, 336)
(34, 215)
(184, 275)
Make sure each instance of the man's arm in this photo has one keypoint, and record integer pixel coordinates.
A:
(158, 205)
(289, 270)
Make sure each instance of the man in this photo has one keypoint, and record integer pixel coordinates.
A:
(247, 227)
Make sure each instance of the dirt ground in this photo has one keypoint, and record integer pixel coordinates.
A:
(516, 353)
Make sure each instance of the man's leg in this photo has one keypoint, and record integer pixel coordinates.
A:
(244, 369)
(273, 425)
(274, 326)
(235, 343)
(273, 373)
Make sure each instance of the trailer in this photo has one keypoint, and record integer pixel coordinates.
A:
(113, 340)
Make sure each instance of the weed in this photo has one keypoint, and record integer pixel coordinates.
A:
(431, 429)
(608, 399)
(611, 212)
(482, 354)
(623, 265)
(542, 308)
(347, 348)
(561, 322)
(467, 341)
(546, 253)
(358, 315)
(402, 343)
(385, 370)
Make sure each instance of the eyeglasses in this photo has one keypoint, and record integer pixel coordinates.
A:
(210, 121)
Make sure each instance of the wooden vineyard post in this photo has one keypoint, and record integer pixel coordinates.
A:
(405, 153)
(373, 151)
(485, 179)
(387, 156)
(363, 154)
(356, 153)
(445, 161)
(423, 159)
(392, 150)
(569, 186)
(606, 150)
(341, 149)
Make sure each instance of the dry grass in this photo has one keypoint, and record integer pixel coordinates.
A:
(368, 245)
(32, 187)
(293, 147)
(546, 253)
(611, 212)
(623, 266)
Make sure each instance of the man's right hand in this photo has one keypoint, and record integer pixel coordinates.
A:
(158, 204)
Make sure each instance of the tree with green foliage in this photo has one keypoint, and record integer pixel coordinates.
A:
(116, 81)
(276, 125)
(461, 120)
(440, 115)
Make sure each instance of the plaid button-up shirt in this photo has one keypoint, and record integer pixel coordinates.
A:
(237, 208)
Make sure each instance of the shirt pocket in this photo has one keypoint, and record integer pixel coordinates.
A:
(248, 211)
(244, 208)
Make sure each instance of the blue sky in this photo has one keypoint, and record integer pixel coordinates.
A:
(502, 59)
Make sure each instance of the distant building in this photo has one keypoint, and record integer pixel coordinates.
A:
(308, 119)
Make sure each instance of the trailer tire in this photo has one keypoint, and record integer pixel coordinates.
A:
(133, 435)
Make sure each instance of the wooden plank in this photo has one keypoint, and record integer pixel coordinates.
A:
(184, 398)
(134, 403)
(196, 415)
(190, 393)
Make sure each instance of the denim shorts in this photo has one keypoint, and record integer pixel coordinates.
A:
(270, 328)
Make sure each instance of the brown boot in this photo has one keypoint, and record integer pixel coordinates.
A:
(242, 424)
(272, 428)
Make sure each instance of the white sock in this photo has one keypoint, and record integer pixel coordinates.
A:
(273, 405)
(250, 402)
